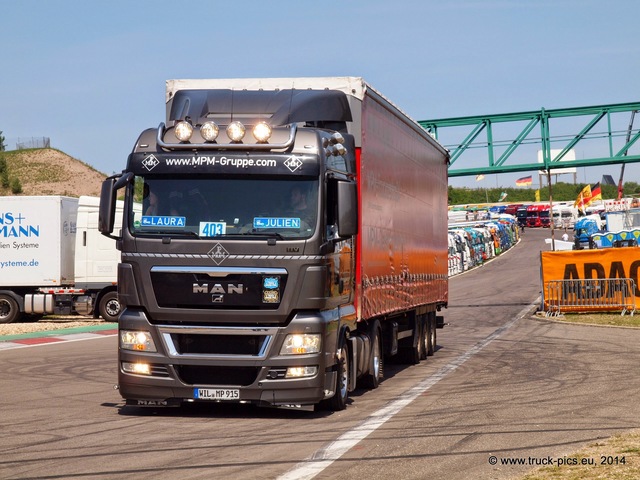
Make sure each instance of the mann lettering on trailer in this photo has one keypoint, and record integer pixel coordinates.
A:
(259, 164)
(592, 264)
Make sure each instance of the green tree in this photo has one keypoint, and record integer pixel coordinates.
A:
(4, 179)
(16, 186)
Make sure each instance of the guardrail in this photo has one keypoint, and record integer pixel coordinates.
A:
(611, 294)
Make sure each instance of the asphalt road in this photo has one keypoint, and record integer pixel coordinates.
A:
(502, 387)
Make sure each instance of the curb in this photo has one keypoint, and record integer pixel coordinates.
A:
(8, 342)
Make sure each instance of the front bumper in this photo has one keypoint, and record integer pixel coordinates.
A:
(245, 360)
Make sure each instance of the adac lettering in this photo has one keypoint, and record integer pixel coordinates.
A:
(594, 270)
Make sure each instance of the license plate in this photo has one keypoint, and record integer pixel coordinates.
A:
(216, 394)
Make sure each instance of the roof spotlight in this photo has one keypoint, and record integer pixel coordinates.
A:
(262, 132)
(209, 131)
(183, 131)
(236, 131)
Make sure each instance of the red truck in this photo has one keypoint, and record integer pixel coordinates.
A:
(513, 208)
(249, 300)
(537, 216)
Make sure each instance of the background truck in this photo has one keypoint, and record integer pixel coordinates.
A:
(54, 260)
(583, 229)
(292, 236)
(537, 216)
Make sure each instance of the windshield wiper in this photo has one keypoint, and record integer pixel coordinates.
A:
(189, 233)
(253, 233)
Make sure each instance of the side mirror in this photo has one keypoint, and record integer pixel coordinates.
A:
(347, 209)
(108, 197)
(106, 213)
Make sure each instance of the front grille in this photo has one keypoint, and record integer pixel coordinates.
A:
(158, 370)
(188, 343)
(227, 376)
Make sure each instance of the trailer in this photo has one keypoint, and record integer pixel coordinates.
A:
(54, 260)
(292, 237)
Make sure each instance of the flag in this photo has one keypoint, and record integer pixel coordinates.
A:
(583, 197)
(538, 195)
(524, 181)
(596, 194)
(503, 195)
(479, 177)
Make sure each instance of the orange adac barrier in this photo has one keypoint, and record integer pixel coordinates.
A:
(611, 263)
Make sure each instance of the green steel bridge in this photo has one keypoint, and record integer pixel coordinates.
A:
(543, 140)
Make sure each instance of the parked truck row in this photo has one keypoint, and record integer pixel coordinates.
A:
(292, 236)
(54, 260)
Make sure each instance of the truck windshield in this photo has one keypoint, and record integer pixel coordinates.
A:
(218, 207)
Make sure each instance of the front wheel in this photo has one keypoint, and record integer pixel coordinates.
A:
(109, 307)
(339, 400)
(9, 311)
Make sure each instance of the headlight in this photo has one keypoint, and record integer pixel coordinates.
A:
(236, 131)
(301, 372)
(262, 132)
(137, 340)
(300, 344)
(183, 131)
(136, 368)
(209, 131)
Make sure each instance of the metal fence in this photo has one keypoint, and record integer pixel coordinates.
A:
(611, 294)
(33, 142)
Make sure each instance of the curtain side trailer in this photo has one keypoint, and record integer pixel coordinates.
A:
(284, 269)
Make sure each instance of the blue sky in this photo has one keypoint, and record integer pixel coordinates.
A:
(91, 75)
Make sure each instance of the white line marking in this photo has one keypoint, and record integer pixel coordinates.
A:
(324, 457)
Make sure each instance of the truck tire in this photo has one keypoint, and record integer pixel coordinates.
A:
(376, 361)
(339, 400)
(432, 322)
(411, 352)
(109, 307)
(424, 336)
(9, 311)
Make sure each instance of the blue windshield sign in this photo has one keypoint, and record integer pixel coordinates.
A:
(276, 222)
(153, 221)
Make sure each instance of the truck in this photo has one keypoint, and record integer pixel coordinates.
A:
(583, 229)
(54, 259)
(537, 216)
(291, 237)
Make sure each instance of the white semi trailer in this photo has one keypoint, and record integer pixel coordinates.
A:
(53, 260)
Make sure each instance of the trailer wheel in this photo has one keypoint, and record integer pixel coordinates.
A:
(376, 363)
(424, 336)
(9, 311)
(339, 400)
(109, 307)
(411, 352)
(432, 322)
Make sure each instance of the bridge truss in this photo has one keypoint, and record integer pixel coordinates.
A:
(543, 140)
